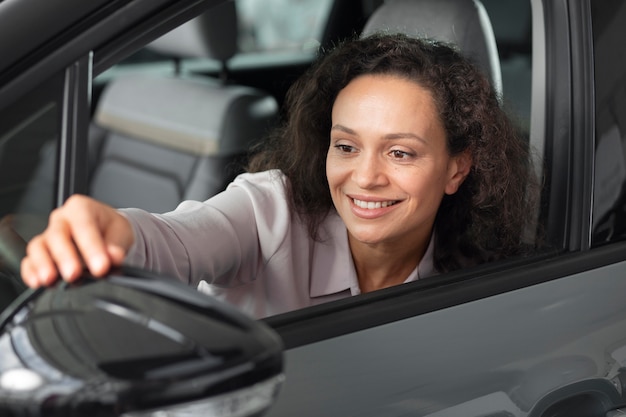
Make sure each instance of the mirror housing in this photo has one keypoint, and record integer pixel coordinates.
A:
(134, 344)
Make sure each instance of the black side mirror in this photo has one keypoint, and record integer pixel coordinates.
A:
(134, 345)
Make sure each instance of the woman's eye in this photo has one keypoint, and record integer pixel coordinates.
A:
(344, 148)
(398, 154)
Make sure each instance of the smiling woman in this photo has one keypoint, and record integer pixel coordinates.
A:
(388, 173)
(395, 162)
(394, 86)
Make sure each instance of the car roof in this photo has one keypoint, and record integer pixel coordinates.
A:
(56, 23)
(50, 18)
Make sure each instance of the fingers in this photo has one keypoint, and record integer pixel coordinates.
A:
(37, 267)
(82, 233)
(86, 229)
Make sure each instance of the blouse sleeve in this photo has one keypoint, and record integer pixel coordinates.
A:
(225, 240)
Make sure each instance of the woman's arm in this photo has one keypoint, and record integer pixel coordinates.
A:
(225, 240)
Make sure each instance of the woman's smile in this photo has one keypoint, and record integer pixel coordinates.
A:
(371, 208)
(370, 205)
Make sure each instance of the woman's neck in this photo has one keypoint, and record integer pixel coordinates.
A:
(384, 265)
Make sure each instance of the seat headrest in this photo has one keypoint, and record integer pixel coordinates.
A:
(464, 23)
(195, 115)
(213, 34)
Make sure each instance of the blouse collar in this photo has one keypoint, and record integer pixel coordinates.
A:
(332, 268)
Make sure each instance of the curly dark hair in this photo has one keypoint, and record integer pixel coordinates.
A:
(486, 218)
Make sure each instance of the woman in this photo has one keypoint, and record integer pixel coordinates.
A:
(395, 162)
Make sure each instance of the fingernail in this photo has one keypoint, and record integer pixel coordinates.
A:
(42, 277)
(32, 281)
(98, 265)
(67, 271)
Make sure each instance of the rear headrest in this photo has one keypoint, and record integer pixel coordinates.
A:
(210, 35)
(198, 116)
(462, 22)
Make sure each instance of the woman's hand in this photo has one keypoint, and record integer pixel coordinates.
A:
(81, 233)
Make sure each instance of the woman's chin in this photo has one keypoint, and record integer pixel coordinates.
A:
(367, 237)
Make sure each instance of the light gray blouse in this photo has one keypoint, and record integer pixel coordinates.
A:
(246, 247)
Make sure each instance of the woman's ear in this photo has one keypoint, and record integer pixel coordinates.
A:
(458, 169)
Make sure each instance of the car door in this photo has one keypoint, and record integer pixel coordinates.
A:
(541, 336)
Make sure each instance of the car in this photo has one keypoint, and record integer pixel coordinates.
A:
(86, 90)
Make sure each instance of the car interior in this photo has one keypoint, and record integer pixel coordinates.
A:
(159, 138)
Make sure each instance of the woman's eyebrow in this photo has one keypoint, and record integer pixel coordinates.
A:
(389, 136)
(343, 129)
(405, 135)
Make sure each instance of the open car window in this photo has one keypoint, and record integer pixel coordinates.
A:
(164, 167)
(157, 173)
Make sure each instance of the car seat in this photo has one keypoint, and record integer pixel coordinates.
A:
(464, 23)
(159, 139)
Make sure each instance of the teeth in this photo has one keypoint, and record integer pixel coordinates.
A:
(372, 204)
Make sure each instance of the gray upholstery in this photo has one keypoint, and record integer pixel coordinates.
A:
(462, 22)
(135, 173)
(195, 115)
(158, 140)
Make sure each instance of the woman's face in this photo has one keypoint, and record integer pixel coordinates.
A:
(388, 166)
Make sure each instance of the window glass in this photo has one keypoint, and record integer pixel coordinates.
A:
(28, 152)
(281, 24)
(265, 27)
(609, 205)
(29, 134)
(511, 22)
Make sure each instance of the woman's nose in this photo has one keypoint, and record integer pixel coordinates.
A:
(369, 171)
